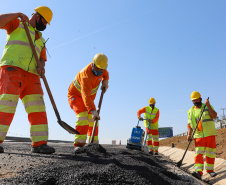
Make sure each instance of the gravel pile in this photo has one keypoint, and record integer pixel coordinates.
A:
(95, 164)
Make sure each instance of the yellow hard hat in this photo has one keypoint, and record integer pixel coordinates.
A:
(195, 95)
(100, 60)
(45, 12)
(151, 100)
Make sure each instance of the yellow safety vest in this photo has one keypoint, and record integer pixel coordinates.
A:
(208, 125)
(149, 114)
(18, 52)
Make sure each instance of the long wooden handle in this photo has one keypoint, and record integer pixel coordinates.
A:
(96, 120)
(61, 123)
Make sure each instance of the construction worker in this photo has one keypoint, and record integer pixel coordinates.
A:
(19, 75)
(204, 135)
(151, 115)
(81, 95)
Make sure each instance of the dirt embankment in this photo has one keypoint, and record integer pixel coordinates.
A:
(181, 142)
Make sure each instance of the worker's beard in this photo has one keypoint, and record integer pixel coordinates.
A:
(40, 26)
(152, 106)
(198, 104)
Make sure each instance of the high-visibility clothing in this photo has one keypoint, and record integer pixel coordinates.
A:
(18, 52)
(149, 114)
(205, 145)
(204, 138)
(85, 85)
(84, 123)
(16, 83)
(206, 127)
(152, 140)
(12, 25)
(153, 133)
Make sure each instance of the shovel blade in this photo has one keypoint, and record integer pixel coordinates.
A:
(179, 163)
(68, 127)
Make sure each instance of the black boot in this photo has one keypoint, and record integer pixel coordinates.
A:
(44, 149)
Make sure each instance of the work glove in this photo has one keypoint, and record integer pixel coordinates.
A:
(149, 121)
(140, 118)
(104, 85)
(95, 115)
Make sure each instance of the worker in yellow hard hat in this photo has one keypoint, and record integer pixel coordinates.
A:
(81, 95)
(204, 135)
(20, 76)
(151, 115)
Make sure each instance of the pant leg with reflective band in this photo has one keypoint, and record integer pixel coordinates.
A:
(153, 140)
(9, 96)
(90, 130)
(16, 83)
(82, 123)
(205, 145)
(210, 154)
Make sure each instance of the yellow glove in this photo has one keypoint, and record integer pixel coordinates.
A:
(104, 85)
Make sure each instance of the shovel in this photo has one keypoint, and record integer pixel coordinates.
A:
(180, 162)
(96, 120)
(60, 122)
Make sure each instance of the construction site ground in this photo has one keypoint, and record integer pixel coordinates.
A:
(93, 164)
(106, 164)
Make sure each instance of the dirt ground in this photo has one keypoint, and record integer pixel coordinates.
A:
(182, 143)
(93, 164)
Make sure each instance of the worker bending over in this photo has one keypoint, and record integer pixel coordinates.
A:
(81, 95)
(151, 115)
(19, 75)
(204, 135)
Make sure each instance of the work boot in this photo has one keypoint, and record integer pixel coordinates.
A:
(213, 174)
(156, 153)
(151, 152)
(1, 149)
(197, 175)
(44, 149)
(76, 149)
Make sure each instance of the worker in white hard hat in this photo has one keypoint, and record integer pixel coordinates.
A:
(81, 95)
(204, 136)
(151, 115)
(20, 76)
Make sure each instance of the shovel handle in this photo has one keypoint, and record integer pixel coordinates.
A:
(96, 120)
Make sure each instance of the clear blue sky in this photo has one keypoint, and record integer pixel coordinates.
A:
(163, 49)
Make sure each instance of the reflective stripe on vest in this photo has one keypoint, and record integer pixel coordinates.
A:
(18, 51)
(150, 114)
(208, 125)
(78, 87)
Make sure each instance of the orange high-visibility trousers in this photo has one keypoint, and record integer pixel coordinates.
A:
(205, 145)
(16, 83)
(84, 123)
(153, 140)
